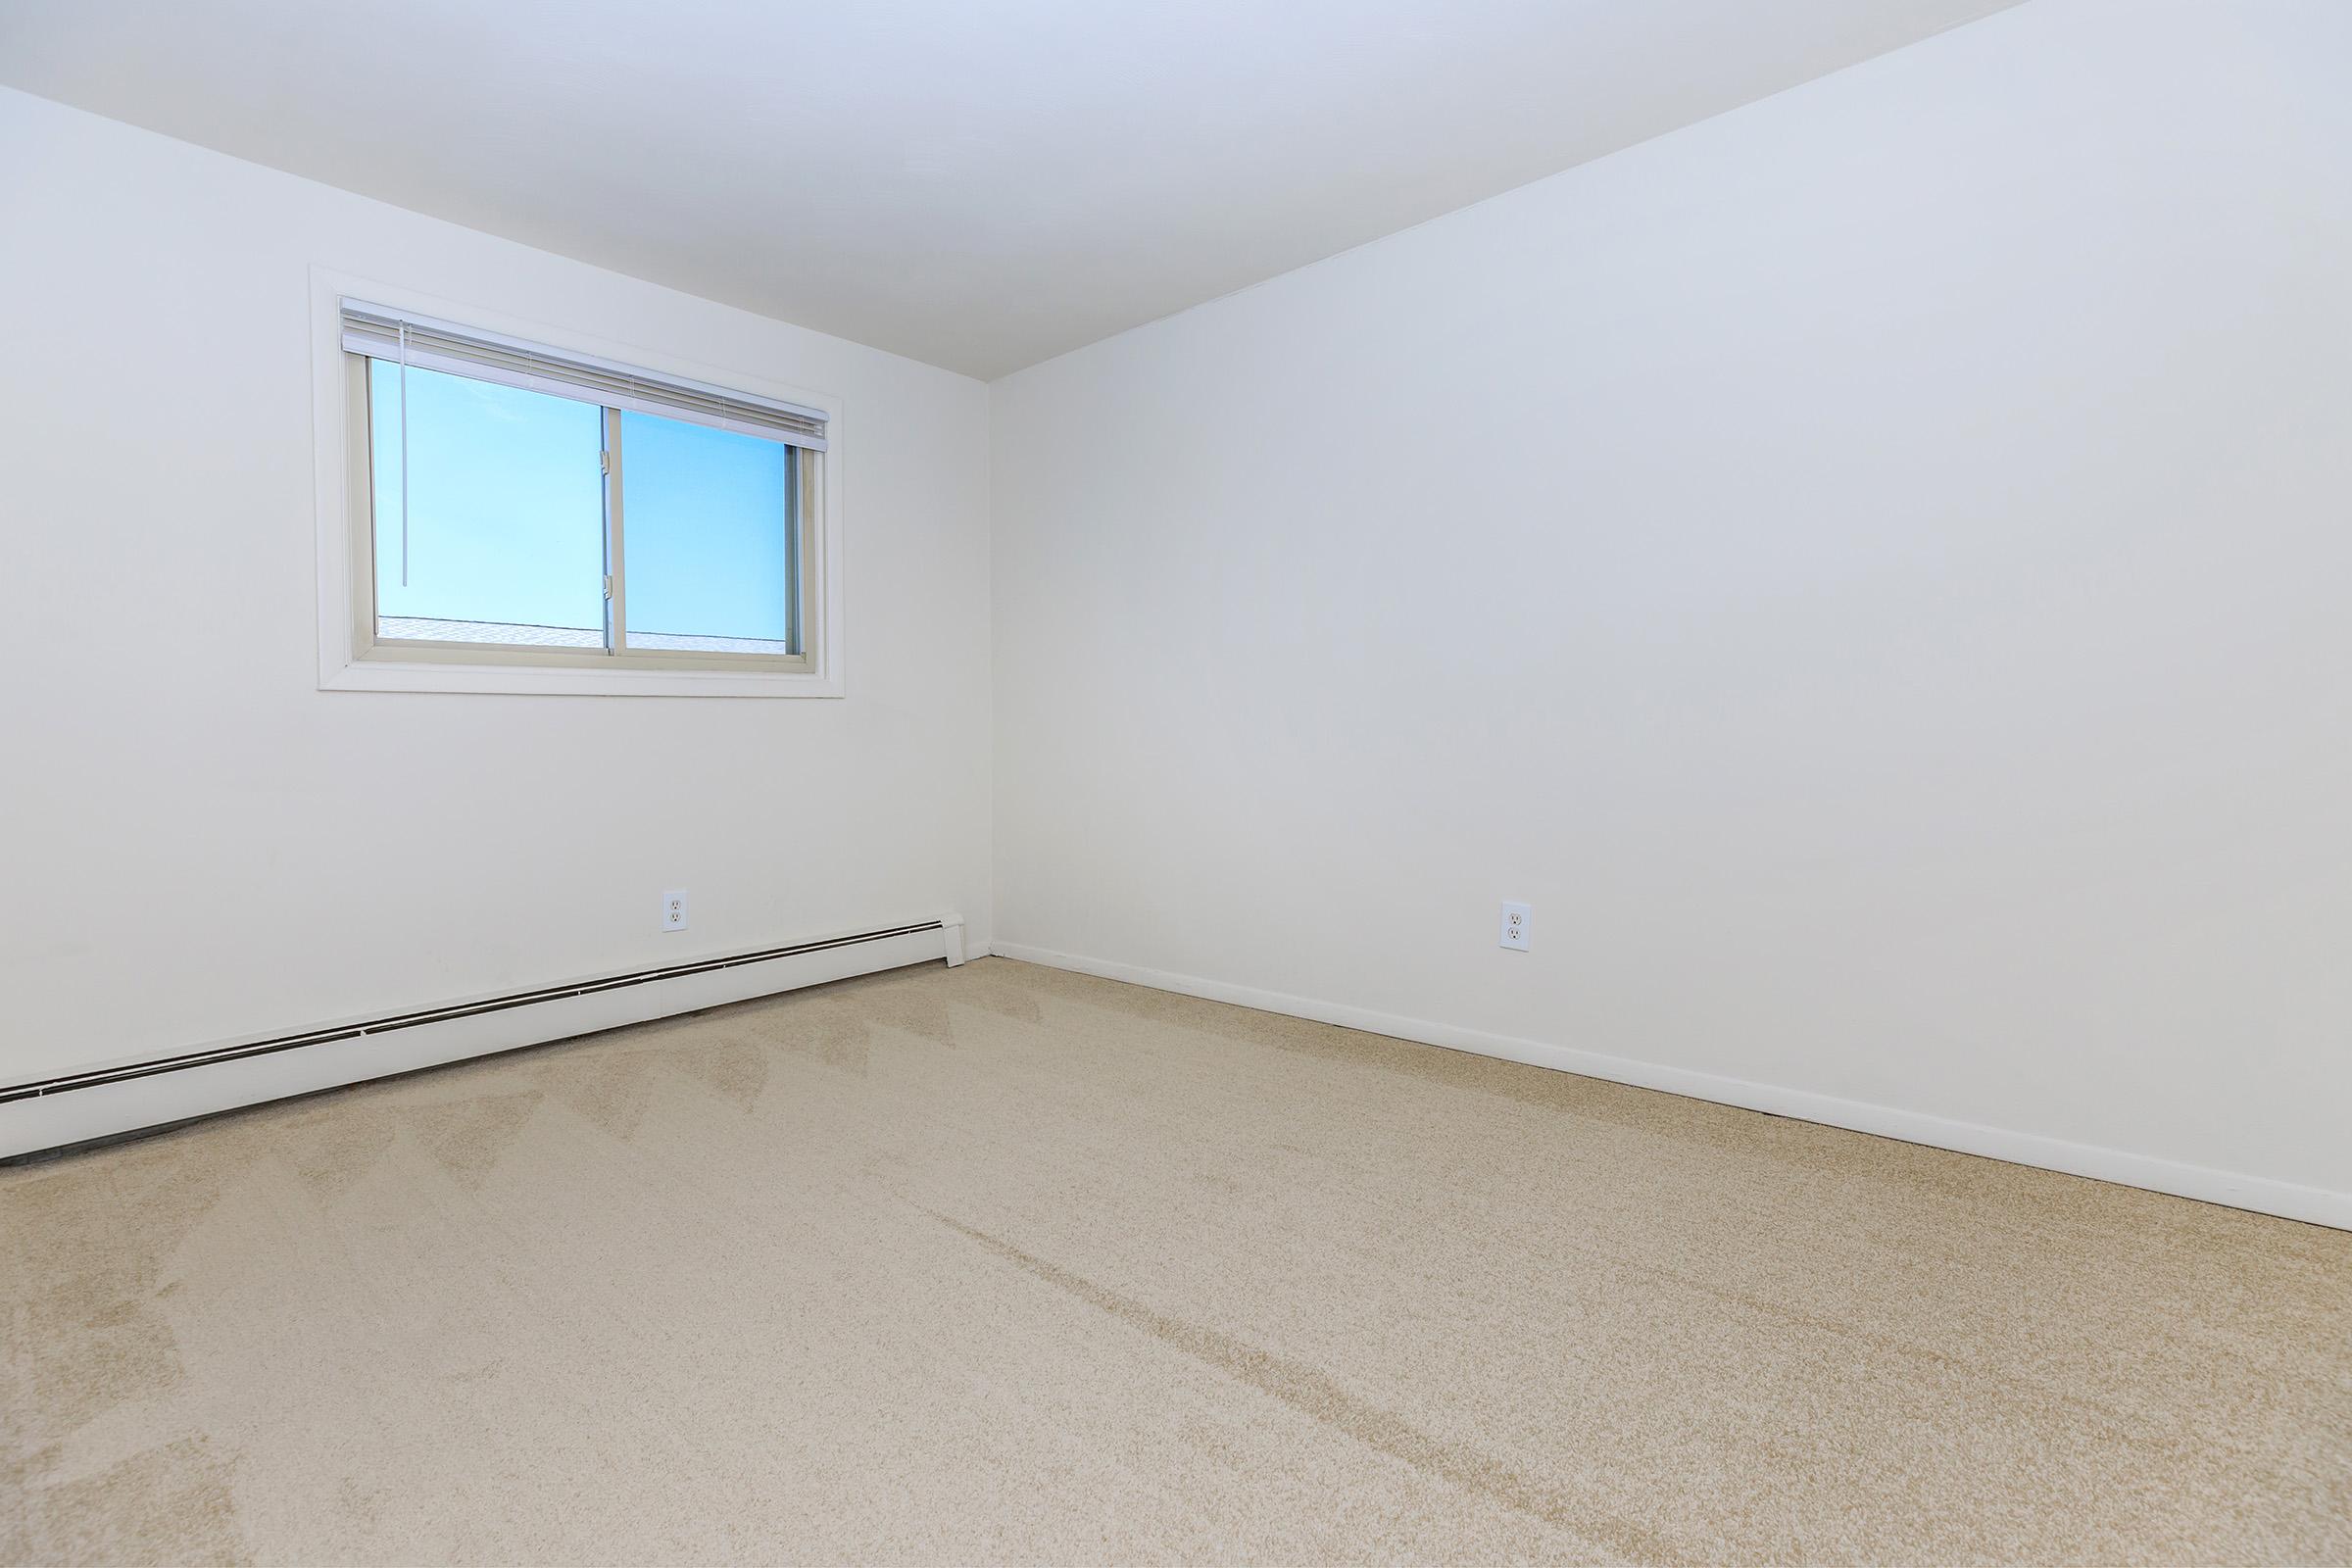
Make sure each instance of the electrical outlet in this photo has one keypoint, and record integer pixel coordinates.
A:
(673, 909)
(1514, 927)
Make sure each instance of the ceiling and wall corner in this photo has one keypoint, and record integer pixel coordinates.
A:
(978, 186)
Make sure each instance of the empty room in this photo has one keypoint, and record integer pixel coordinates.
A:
(1100, 782)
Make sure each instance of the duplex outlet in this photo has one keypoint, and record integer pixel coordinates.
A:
(1515, 921)
(673, 909)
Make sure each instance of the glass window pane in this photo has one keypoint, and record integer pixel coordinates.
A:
(709, 536)
(506, 517)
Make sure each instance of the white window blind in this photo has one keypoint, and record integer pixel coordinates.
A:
(382, 333)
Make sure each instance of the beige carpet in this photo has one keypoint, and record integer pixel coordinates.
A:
(1001, 1264)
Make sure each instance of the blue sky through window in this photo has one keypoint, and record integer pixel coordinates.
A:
(506, 517)
(505, 514)
(704, 522)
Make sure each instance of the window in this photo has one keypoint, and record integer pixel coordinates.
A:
(520, 505)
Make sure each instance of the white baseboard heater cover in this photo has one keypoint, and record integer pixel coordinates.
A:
(128, 1097)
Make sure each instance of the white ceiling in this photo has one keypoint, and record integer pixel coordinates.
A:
(980, 185)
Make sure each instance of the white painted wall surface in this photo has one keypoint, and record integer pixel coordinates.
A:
(199, 844)
(1873, 570)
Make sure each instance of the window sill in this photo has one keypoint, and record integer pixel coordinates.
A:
(377, 674)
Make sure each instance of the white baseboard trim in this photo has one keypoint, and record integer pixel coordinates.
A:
(57, 1118)
(2260, 1194)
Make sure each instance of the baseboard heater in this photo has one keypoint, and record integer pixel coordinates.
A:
(128, 1096)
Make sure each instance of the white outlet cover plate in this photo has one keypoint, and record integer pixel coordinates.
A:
(673, 909)
(1516, 918)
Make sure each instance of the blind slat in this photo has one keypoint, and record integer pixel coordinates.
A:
(434, 345)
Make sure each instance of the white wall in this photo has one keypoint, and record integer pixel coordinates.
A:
(1874, 570)
(198, 843)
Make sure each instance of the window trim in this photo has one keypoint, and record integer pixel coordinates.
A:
(350, 657)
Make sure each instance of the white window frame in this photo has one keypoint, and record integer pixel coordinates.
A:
(351, 660)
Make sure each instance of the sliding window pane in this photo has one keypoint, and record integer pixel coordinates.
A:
(708, 536)
(505, 513)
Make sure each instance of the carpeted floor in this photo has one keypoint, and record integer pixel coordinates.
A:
(1002, 1263)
